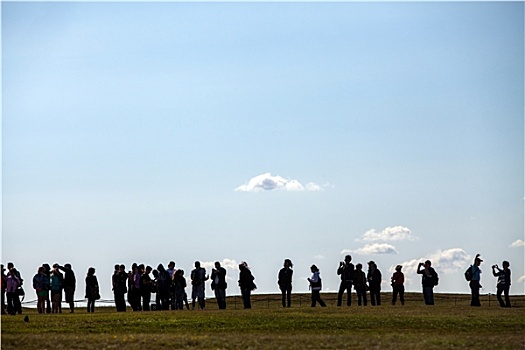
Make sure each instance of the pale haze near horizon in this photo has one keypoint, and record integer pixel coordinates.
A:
(256, 132)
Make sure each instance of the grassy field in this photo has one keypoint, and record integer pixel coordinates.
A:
(449, 324)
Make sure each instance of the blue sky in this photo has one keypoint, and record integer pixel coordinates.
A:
(146, 133)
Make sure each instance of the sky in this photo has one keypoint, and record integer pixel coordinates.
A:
(150, 132)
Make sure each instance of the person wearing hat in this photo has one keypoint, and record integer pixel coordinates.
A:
(346, 271)
(475, 284)
(398, 287)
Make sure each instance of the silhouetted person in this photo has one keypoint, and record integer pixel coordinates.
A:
(4, 288)
(346, 271)
(398, 287)
(219, 285)
(179, 283)
(19, 291)
(92, 289)
(145, 287)
(316, 286)
(56, 281)
(171, 271)
(198, 278)
(163, 288)
(41, 286)
(374, 283)
(12, 285)
(360, 285)
(246, 284)
(428, 281)
(475, 284)
(47, 271)
(503, 285)
(69, 283)
(285, 282)
(119, 283)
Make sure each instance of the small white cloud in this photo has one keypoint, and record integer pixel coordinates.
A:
(319, 257)
(521, 279)
(371, 249)
(396, 233)
(267, 182)
(517, 244)
(228, 264)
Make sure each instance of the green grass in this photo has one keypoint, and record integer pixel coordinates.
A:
(449, 324)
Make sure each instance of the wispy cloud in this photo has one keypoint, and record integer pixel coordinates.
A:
(372, 249)
(268, 182)
(517, 244)
(521, 279)
(396, 233)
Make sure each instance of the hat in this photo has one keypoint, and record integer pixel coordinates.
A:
(478, 258)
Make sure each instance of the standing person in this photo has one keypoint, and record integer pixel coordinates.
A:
(198, 278)
(429, 279)
(360, 285)
(4, 288)
(145, 287)
(503, 285)
(374, 283)
(118, 286)
(47, 271)
(171, 271)
(12, 285)
(316, 286)
(69, 284)
(246, 284)
(137, 272)
(219, 285)
(398, 287)
(41, 286)
(163, 288)
(285, 282)
(56, 290)
(92, 289)
(475, 284)
(346, 271)
(179, 283)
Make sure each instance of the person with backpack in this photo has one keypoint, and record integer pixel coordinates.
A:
(429, 280)
(346, 271)
(316, 286)
(475, 278)
(198, 278)
(246, 284)
(503, 284)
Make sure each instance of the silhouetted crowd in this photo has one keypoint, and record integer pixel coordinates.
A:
(167, 286)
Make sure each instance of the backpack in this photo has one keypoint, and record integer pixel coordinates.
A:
(469, 274)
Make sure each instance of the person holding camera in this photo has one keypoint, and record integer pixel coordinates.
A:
(198, 278)
(429, 280)
(503, 284)
(346, 271)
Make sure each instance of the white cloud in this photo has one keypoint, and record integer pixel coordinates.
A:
(319, 256)
(374, 248)
(517, 244)
(228, 264)
(396, 233)
(446, 261)
(521, 279)
(267, 182)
